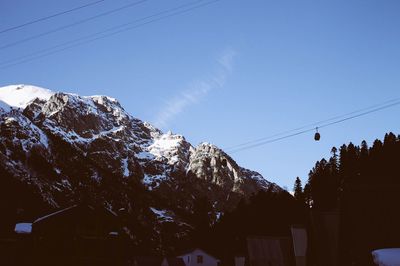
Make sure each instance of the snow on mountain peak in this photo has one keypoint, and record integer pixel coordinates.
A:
(167, 142)
(21, 95)
(100, 99)
(60, 139)
(206, 147)
(4, 107)
(207, 144)
(168, 146)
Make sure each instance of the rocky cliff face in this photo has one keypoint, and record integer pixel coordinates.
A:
(62, 148)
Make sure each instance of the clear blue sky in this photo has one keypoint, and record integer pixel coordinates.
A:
(229, 72)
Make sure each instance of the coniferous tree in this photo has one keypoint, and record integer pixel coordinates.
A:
(334, 161)
(365, 181)
(298, 190)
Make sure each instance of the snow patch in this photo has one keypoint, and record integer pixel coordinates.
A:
(386, 257)
(125, 167)
(167, 146)
(153, 181)
(23, 228)
(145, 155)
(162, 215)
(21, 95)
(36, 135)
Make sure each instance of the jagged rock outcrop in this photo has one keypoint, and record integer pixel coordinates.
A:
(67, 148)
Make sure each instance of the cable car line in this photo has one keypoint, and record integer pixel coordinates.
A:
(312, 129)
(71, 25)
(49, 17)
(113, 31)
(313, 125)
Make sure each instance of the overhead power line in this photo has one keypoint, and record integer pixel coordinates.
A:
(185, 8)
(50, 16)
(71, 25)
(315, 124)
(321, 124)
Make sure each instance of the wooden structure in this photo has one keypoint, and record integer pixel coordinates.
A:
(78, 235)
(270, 251)
(325, 226)
(240, 261)
(300, 242)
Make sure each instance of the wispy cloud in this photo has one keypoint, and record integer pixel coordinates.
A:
(197, 90)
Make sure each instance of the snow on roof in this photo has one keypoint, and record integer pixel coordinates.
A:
(54, 213)
(23, 228)
(108, 210)
(388, 256)
(20, 95)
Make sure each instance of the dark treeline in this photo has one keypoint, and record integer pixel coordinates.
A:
(379, 164)
(362, 184)
(266, 213)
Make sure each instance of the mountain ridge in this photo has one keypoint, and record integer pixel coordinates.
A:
(67, 147)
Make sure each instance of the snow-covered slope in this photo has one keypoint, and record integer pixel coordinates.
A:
(63, 146)
(20, 95)
(57, 149)
(172, 148)
(4, 107)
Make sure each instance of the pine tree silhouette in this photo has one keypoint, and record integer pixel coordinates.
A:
(363, 184)
(298, 190)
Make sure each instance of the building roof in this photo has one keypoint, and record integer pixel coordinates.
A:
(71, 209)
(38, 220)
(77, 214)
(264, 250)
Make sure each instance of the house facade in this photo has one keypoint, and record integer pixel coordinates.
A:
(198, 257)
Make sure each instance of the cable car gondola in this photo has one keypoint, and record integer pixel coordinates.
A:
(317, 136)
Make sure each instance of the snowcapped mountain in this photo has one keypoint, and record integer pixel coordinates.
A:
(59, 148)
(20, 95)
